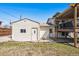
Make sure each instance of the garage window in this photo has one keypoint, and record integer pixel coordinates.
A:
(22, 30)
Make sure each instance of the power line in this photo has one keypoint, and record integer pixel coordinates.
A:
(8, 13)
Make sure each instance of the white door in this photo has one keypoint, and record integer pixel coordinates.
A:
(34, 34)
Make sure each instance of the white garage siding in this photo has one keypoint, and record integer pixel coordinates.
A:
(44, 32)
(31, 27)
(24, 24)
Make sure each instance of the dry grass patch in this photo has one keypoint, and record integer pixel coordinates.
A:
(31, 49)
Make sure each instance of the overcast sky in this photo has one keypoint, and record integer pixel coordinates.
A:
(39, 12)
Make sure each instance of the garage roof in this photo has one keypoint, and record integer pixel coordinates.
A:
(24, 19)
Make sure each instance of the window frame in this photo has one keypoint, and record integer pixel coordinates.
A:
(22, 30)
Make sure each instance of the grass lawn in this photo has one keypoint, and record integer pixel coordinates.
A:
(39, 49)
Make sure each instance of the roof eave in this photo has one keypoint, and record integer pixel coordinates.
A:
(24, 19)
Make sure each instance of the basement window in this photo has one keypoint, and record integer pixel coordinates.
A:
(22, 30)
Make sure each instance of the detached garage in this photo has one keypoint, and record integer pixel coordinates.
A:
(28, 30)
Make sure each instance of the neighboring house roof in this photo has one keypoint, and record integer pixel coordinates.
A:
(24, 19)
(55, 15)
(50, 21)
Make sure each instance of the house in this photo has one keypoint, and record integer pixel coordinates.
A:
(51, 22)
(67, 23)
(29, 30)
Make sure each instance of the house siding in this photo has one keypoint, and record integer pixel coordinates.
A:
(24, 24)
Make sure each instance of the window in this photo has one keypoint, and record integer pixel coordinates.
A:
(63, 33)
(34, 31)
(50, 30)
(23, 30)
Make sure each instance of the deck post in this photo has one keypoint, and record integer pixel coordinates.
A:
(57, 30)
(75, 26)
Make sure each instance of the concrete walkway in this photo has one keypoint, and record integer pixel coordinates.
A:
(5, 38)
